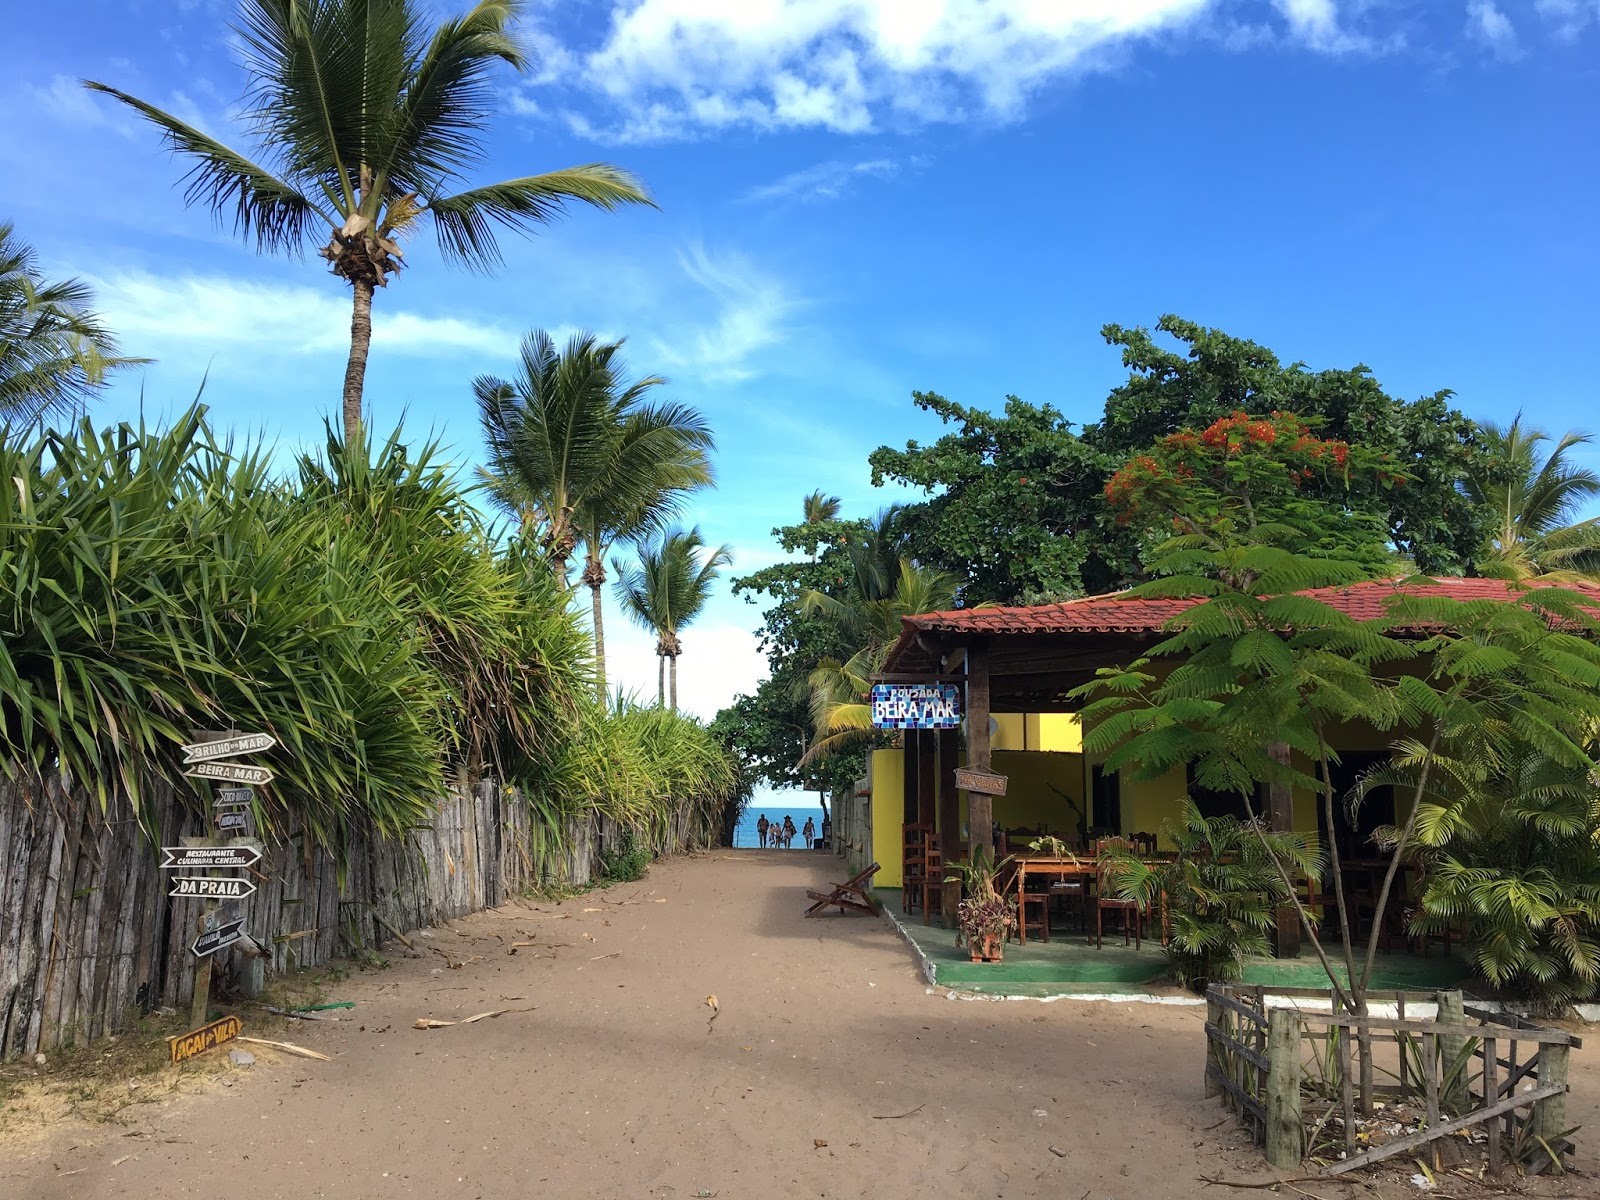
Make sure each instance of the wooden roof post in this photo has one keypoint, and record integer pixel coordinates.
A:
(1280, 818)
(980, 808)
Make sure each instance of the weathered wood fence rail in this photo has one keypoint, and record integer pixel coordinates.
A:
(1466, 1072)
(88, 937)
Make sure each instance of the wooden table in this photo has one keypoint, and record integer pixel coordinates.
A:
(1046, 866)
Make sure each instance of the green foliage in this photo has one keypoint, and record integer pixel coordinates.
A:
(1532, 503)
(626, 862)
(1221, 890)
(982, 909)
(55, 355)
(156, 581)
(1513, 865)
(667, 589)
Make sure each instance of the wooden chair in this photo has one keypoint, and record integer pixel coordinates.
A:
(931, 885)
(855, 893)
(1034, 899)
(1131, 910)
(914, 842)
(1144, 844)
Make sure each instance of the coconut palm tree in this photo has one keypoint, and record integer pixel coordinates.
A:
(666, 590)
(55, 356)
(367, 122)
(1532, 500)
(820, 507)
(582, 455)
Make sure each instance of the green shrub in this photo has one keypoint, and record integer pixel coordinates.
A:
(627, 862)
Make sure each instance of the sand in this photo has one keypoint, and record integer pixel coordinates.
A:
(830, 1070)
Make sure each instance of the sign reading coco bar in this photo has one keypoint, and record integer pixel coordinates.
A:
(916, 706)
(208, 1037)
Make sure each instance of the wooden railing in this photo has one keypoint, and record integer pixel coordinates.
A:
(1461, 1071)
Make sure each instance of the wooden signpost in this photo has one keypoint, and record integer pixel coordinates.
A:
(206, 758)
(985, 783)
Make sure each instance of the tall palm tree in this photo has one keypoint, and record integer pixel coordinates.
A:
(666, 590)
(367, 123)
(1532, 499)
(582, 455)
(55, 355)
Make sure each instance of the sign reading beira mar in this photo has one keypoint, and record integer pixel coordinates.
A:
(916, 706)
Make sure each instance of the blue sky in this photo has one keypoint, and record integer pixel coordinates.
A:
(863, 197)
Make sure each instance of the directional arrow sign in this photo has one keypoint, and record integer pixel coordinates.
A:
(233, 819)
(230, 747)
(239, 797)
(197, 858)
(220, 938)
(187, 887)
(232, 772)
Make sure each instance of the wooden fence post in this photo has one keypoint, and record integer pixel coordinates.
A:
(1213, 1021)
(1549, 1119)
(1452, 1053)
(1284, 1132)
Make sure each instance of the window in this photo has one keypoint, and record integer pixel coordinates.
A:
(1106, 796)
(1224, 804)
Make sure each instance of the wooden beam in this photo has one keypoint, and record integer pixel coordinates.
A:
(980, 808)
(908, 768)
(927, 776)
(949, 819)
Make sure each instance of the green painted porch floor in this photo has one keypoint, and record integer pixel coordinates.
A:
(1070, 963)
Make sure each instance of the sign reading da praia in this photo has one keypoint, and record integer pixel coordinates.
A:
(916, 705)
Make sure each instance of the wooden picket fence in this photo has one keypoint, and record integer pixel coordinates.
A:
(89, 939)
(1290, 1071)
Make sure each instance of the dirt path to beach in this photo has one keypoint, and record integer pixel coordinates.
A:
(826, 1070)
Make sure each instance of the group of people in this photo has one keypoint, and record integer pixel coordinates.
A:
(780, 835)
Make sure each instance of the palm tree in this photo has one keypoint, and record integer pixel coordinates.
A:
(55, 356)
(1532, 503)
(820, 507)
(368, 123)
(666, 590)
(580, 454)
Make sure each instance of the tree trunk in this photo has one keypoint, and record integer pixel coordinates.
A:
(594, 574)
(355, 371)
(674, 676)
(661, 680)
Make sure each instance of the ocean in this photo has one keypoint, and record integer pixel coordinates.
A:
(744, 834)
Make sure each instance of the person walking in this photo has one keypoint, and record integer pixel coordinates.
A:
(809, 835)
(761, 831)
(788, 831)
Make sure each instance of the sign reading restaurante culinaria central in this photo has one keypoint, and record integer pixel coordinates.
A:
(916, 705)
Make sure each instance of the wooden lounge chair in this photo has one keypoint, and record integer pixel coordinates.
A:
(855, 893)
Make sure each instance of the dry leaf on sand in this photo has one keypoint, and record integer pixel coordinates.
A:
(433, 1023)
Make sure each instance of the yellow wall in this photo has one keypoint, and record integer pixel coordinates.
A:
(1057, 733)
(888, 774)
(1032, 779)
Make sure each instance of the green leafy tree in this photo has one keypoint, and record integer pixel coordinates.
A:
(1532, 500)
(367, 121)
(665, 591)
(582, 455)
(55, 355)
(1211, 375)
(820, 507)
(1014, 511)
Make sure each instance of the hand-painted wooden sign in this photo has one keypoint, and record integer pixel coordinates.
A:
(208, 1037)
(231, 772)
(198, 858)
(229, 747)
(220, 938)
(985, 783)
(188, 887)
(234, 797)
(916, 706)
(233, 819)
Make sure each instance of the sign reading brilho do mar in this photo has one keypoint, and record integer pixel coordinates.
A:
(916, 706)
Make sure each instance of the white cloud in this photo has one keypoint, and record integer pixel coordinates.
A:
(1569, 17)
(753, 311)
(682, 68)
(203, 311)
(825, 180)
(70, 102)
(1493, 28)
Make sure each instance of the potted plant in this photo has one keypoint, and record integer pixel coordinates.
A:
(983, 914)
(1054, 847)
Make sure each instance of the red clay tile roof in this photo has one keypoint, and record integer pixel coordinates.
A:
(1118, 612)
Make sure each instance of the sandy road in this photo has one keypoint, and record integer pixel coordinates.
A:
(617, 1083)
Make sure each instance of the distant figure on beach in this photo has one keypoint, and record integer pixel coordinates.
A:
(810, 834)
(788, 831)
(761, 830)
